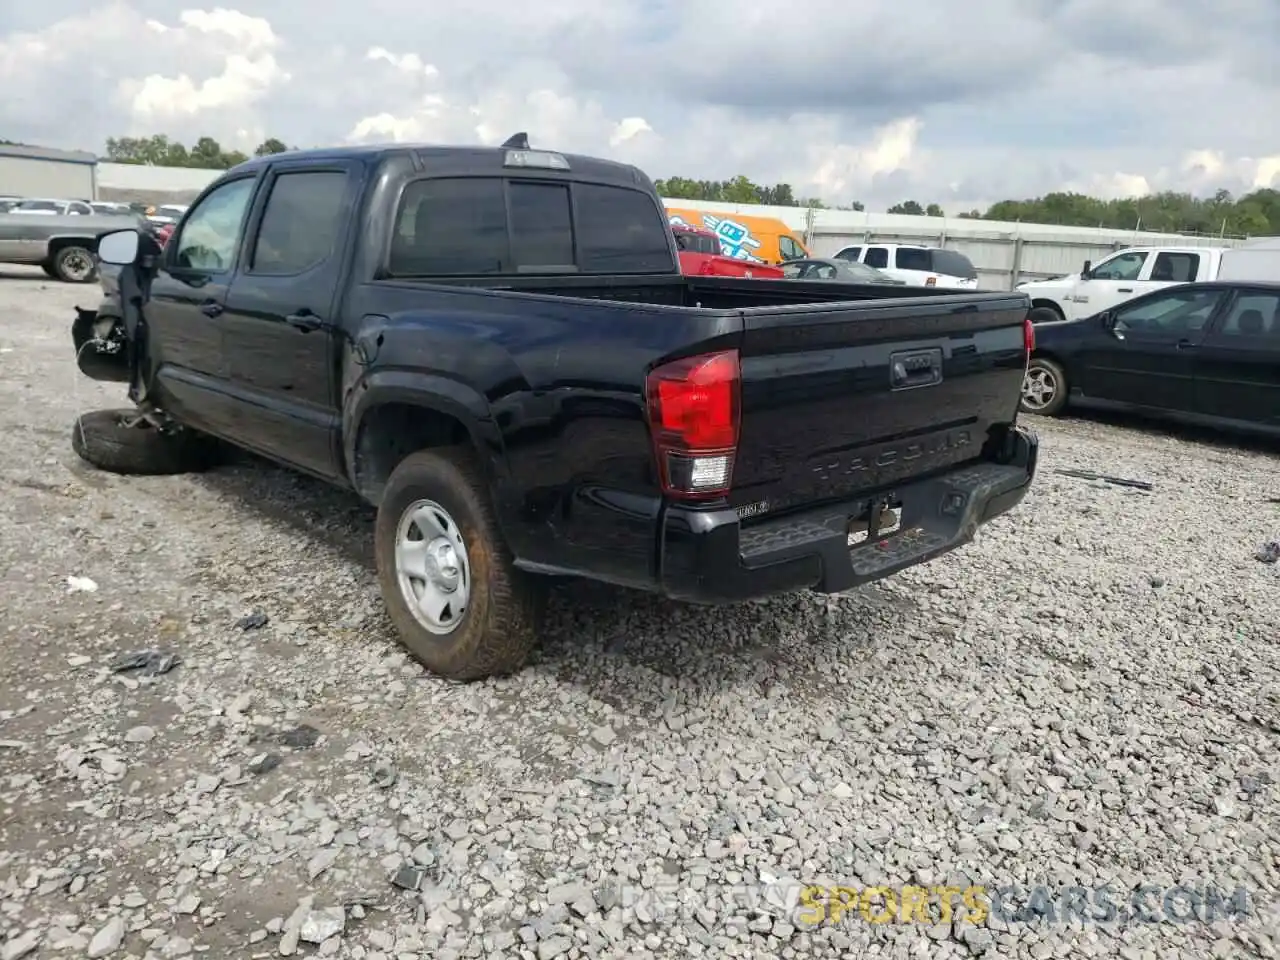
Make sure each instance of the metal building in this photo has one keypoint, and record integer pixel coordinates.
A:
(55, 174)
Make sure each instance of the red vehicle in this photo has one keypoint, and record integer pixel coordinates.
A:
(700, 256)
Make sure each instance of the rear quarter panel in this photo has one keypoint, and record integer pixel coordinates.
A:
(558, 388)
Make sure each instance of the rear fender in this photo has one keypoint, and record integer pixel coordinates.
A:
(430, 392)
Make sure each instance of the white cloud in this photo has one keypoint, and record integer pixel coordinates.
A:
(1002, 99)
(627, 129)
(248, 72)
(409, 63)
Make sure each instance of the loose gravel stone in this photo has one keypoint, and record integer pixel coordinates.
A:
(1083, 696)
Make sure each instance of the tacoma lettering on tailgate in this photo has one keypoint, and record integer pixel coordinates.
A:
(884, 458)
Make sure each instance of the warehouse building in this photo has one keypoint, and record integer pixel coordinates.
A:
(37, 172)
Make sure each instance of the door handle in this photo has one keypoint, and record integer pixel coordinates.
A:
(1186, 345)
(1124, 289)
(304, 320)
(211, 308)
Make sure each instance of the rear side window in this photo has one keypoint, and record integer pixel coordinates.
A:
(849, 253)
(620, 231)
(913, 258)
(952, 264)
(451, 226)
(301, 222)
(876, 257)
(1175, 267)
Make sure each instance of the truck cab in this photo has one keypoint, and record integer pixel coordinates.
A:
(1122, 276)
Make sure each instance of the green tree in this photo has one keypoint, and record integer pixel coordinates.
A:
(269, 146)
(909, 207)
(160, 151)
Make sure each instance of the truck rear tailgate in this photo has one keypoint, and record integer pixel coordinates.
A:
(849, 399)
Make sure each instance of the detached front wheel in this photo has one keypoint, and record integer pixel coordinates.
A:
(451, 589)
(123, 441)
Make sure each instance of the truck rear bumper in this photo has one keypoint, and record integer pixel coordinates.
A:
(707, 557)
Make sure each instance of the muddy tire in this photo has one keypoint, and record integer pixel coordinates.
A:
(1044, 388)
(75, 264)
(452, 592)
(105, 439)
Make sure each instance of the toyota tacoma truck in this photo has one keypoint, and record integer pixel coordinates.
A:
(495, 347)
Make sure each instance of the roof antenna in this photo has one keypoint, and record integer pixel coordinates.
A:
(519, 141)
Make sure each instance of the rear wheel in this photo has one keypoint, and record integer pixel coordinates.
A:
(451, 589)
(1044, 387)
(1044, 315)
(122, 441)
(75, 265)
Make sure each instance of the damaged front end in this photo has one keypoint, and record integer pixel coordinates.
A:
(102, 349)
(110, 342)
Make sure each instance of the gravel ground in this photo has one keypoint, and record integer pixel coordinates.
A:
(1086, 696)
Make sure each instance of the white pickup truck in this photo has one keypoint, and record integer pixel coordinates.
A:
(1120, 277)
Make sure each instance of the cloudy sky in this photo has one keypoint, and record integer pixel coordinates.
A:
(875, 100)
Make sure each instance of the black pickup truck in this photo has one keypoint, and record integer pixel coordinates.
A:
(496, 348)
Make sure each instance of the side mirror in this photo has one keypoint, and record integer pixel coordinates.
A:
(1108, 321)
(1084, 271)
(119, 247)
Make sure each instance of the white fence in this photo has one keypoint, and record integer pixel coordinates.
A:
(1004, 253)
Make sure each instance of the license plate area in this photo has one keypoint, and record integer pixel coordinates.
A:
(882, 519)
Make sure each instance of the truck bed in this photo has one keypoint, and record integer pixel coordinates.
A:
(821, 416)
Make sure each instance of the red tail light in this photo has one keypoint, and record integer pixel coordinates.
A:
(1028, 335)
(694, 411)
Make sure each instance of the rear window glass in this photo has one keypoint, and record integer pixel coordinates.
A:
(877, 257)
(911, 258)
(459, 226)
(697, 243)
(953, 264)
(621, 231)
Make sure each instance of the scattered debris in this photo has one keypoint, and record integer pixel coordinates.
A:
(19, 947)
(384, 776)
(253, 621)
(301, 737)
(408, 877)
(107, 940)
(322, 861)
(139, 735)
(1269, 552)
(151, 662)
(1118, 481)
(263, 763)
(319, 925)
(81, 585)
